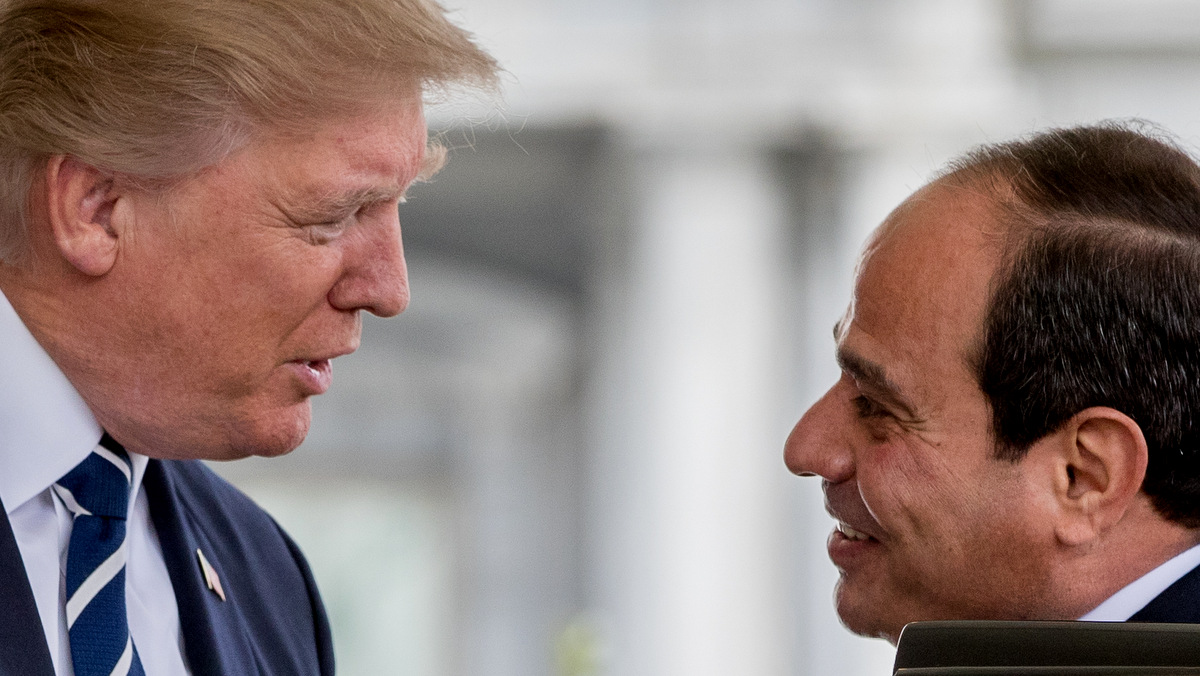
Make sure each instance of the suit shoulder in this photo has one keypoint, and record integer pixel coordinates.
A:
(221, 513)
(273, 599)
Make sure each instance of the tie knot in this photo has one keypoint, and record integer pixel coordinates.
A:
(100, 484)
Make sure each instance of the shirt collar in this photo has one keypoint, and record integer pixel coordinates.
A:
(45, 426)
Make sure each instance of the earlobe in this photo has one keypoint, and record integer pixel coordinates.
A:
(1101, 466)
(80, 204)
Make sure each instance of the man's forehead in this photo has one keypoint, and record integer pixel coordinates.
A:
(952, 207)
(942, 236)
(925, 276)
(379, 152)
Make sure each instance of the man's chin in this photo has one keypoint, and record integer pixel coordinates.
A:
(281, 436)
(861, 615)
(270, 435)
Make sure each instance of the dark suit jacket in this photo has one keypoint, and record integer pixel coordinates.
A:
(1178, 603)
(272, 621)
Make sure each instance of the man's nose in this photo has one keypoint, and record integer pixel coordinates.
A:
(818, 444)
(375, 275)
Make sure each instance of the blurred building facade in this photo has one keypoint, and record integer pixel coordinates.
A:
(566, 457)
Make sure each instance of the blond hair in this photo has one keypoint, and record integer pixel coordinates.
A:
(158, 89)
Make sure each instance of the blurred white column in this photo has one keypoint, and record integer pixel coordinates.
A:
(688, 477)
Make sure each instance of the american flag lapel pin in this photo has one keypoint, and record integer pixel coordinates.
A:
(210, 575)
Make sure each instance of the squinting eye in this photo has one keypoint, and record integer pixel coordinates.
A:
(867, 408)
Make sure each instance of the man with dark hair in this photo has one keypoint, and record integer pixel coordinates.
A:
(1016, 431)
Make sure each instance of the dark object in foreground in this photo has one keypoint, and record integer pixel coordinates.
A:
(981, 648)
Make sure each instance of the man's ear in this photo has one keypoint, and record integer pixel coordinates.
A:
(80, 202)
(1099, 459)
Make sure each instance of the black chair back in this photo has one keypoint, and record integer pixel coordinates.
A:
(992, 648)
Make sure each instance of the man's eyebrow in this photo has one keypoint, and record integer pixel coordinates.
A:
(336, 203)
(872, 376)
(431, 163)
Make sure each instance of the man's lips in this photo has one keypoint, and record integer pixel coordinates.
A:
(315, 375)
(855, 539)
(315, 369)
(849, 547)
(330, 353)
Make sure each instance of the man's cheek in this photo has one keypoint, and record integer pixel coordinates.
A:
(893, 484)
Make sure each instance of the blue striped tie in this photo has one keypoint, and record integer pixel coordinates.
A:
(97, 493)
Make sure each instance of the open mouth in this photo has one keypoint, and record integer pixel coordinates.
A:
(315, 374)
(851, 534)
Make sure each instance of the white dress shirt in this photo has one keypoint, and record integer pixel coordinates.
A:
(1134, 596)
(45, 430)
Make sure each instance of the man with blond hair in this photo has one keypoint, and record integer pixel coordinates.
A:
(1016, 431)
(197, 199)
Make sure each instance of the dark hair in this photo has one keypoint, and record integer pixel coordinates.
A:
(1098, 300)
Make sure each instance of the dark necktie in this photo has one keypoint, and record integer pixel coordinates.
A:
(97, 493)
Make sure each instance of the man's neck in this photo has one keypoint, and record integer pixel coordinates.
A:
(1136, 595)
(1140, 552)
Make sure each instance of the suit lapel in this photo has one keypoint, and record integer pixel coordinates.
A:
(1178, 603)
(214, 639)
(23, 649)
